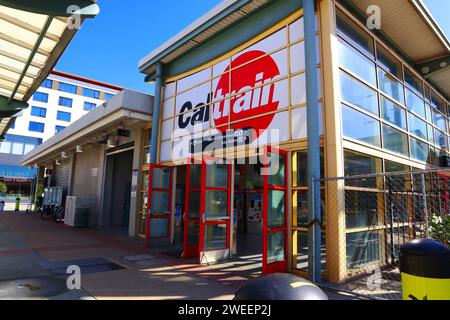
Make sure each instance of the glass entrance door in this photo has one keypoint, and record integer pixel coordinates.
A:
(274, 211)
(159, 203)
(215, 211)
(192, 210)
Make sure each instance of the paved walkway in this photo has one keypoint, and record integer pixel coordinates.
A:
(30, 246)
(34, 255)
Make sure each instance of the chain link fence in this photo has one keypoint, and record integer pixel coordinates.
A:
(369, 217)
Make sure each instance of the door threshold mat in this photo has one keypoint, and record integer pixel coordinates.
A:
(91, 265)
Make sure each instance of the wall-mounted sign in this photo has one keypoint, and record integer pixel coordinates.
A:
(256, 96)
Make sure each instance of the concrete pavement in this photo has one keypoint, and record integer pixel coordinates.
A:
(29, 247)
(34, 255)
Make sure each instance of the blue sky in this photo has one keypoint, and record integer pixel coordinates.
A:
(109, 47)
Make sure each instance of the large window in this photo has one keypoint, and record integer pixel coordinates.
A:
(66, 87)
(65, 102)
(390, 86)
(91, 93)
(419, 150)
(411, 116)
(358, 94)
(393, 113)
(363, 209)
(40, 97)
(88, 106)
(58, 129)
(367, 129)
(300, 208)
(395, 140)
(389, 62)
(349, 30)
(417, 126)
(415, 104)
(63, 116)
(38, 112)
(108, 96)
(47, 84)
(36, 126)
(18, 145)
(357, 63)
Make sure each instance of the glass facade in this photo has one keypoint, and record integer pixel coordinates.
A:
(397, 112)
(18, 145)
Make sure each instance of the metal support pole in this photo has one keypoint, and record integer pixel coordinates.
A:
(156, 113)
(425, 205)
(312, 111)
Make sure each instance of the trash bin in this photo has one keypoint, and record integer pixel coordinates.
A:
(425, 270)
(280, 286)
(17, 206)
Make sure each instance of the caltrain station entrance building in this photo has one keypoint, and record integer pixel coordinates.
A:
(228, 176)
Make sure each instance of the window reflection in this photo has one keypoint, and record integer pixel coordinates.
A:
(417, 127)
(354, 33)
(358, 94)
(394, 140)
(390, 86)
(367, 130)
(393, 113)
(355, 62)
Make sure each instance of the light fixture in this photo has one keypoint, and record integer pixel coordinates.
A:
(111, 143)
(64, 155)
(79, 149)
(57, 162)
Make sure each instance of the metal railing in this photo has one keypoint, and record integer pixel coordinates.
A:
(368, 217)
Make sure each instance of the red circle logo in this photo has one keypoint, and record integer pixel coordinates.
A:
(251, 95)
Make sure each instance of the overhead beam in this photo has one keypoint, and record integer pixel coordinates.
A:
(431, 68)
(47, 24)
(29, 27)
(23, 44)
(88, 8)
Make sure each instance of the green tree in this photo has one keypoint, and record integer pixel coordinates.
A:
(3, 187)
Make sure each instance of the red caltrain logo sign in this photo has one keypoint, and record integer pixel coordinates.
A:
(251, 91)
(250, 95)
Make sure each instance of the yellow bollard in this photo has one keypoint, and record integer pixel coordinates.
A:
(17, 208)
(425, 270)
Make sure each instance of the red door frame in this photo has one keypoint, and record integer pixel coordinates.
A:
(279, 266)
(149, 202)
(189, 250)
(204, 189)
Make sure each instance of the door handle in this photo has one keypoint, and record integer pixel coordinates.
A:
(213, 219)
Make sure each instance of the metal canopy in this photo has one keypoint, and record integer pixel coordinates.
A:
(30, 45)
